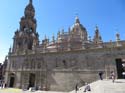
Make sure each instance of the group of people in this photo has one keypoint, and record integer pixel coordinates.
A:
(2, 84)
(87, 86)
(112, 75)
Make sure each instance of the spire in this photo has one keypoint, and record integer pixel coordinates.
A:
(97, 31)
(29, 10)
(97, 38)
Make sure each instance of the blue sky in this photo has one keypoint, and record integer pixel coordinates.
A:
(53, 15)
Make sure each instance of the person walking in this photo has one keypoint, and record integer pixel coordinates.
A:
(76, 88)
(113, 76)
(101, 75)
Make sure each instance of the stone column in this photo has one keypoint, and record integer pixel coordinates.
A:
(6, 78)
(18, 80)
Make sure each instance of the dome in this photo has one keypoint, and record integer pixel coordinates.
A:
(29, 10)
(79, 30)
(77, 24)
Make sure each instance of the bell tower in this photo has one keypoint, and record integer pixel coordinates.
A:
(26, 38)
(28, 20)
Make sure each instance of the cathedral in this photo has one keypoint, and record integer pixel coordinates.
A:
(70, 58)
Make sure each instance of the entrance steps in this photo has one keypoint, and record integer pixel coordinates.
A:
(104, 86)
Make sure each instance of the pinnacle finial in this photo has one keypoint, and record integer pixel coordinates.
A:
(77, 19)
(117, 36)
(53, 38)
(96, 27)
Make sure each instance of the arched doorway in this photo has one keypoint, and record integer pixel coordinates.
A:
(12, 80)
(31, 80)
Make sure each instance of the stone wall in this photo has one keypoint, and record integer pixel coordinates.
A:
(62, 71)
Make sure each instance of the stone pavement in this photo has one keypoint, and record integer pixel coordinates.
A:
(44, 92)
(104, 86)
(10, 90)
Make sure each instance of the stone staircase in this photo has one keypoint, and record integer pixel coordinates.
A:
(104, 86)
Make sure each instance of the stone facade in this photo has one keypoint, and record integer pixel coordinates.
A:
(1, 69)
(62, 63)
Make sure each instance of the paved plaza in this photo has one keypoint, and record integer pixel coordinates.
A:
(10, 90)
(105, 86)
